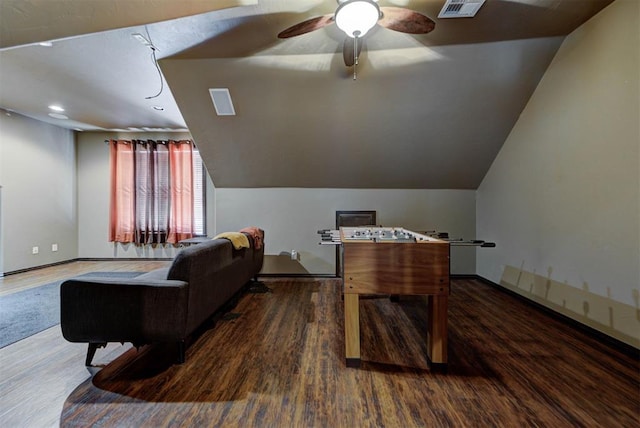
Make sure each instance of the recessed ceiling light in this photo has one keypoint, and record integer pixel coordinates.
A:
(46, 44)
(58, 116)
(55, 107)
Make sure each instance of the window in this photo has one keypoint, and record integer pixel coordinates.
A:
(157, 193)
(199, 195)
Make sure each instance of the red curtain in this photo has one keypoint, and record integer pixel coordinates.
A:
(181, 188)
(151, 191)
(122, 210)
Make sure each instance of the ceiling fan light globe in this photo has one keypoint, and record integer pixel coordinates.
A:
(356, 17)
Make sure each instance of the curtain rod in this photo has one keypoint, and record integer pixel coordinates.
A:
(156, 141)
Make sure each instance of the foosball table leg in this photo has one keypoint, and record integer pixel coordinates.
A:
(437, 328)
(352, 329)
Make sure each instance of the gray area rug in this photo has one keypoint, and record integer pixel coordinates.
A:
(27, 312)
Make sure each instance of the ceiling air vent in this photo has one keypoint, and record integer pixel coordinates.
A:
(460, 8)
(222, 101)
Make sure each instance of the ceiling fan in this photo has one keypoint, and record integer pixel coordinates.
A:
(356, 17)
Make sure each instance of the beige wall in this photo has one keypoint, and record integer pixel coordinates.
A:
(93, 199)
(38, 200)
(291, 218)
(561, 199)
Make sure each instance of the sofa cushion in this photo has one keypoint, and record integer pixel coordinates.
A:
(135, 310)
(161, 273)
(201, 261)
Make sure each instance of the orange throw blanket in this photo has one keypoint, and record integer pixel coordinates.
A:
(239, 240)
(257, 235)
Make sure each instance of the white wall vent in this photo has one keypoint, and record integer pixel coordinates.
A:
(222, 101)
(460, 8)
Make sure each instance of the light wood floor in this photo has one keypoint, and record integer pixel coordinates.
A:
(35, 278)
(38, 373)
(279, 362)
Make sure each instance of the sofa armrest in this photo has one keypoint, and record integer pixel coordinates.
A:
(109, 310)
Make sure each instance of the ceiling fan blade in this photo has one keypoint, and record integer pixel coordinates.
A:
(405, 21)
(306, 26)
(348, 50)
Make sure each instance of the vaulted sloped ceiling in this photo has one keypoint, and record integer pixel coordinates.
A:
(424, 125)
(426, 111)
(32, 21)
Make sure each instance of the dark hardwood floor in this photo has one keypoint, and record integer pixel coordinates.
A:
(277, 360)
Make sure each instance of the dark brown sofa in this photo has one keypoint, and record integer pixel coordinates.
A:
(165, 305)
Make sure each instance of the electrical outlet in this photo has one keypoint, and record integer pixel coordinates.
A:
(54, 247)
(35, 250)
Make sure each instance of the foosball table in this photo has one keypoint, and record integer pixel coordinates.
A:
(395, 261)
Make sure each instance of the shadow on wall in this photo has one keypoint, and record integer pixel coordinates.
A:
(149, 251)
(285, 263)
(616, 319)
